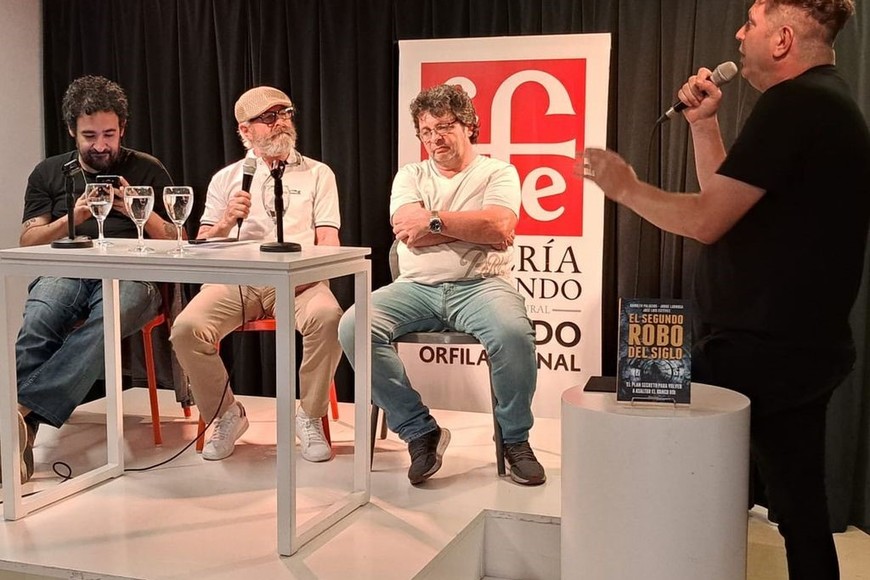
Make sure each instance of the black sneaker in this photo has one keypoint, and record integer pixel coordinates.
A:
(525, 467)
(426, 452)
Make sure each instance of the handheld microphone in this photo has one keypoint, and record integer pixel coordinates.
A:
(721, 75)
(249, 168)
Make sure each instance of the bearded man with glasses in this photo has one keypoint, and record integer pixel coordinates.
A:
(311, 217)
(453, 216)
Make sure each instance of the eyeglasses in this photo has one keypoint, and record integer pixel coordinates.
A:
(439, 129)
(271, 117)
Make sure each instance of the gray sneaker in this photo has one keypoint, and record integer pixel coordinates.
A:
(525, 467)
(426, 453)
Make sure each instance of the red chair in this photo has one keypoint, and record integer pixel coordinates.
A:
(151, 374)
(261, 325)
(268, 325)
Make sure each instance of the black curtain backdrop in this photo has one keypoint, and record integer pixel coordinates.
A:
(183, 63)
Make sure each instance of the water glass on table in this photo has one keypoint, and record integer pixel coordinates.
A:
(99, 197)
(139, 200)
(178, 200)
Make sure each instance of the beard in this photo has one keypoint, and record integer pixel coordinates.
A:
(278, 144)
(99, 161)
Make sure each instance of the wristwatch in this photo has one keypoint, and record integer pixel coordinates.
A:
(435, 223)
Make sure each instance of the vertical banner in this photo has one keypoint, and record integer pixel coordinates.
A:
(539, 99)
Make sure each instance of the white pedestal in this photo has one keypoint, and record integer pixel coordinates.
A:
(655, 492)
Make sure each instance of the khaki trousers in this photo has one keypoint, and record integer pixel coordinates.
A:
(219, 309)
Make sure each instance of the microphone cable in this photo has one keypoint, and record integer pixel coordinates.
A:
(66, 473)
(224, 392)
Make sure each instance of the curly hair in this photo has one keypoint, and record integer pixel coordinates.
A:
(93, 94)
(443, 99)
(831, 15)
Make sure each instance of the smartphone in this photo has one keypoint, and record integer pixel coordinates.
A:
(115, 180)
(211, 240)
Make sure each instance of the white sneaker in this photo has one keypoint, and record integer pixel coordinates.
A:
(227, 429)
(311, 436)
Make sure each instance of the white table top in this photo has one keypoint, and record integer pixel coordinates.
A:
(706, 400)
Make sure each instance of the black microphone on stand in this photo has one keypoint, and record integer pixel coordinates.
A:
(277, 172)
(70, 169)
(249, 168)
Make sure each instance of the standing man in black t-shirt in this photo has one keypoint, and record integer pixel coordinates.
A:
(784, 216)
(59, 351)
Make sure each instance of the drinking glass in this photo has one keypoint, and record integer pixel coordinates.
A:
(139, 200)
(99, 197)
(178, 200)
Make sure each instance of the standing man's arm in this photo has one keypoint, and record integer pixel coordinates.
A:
(704, 216)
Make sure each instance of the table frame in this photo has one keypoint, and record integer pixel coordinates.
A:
(229, 263)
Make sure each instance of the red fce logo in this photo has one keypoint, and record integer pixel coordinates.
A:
(532, 115)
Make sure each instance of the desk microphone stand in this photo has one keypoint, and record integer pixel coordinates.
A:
(70, 170)
(277, 173)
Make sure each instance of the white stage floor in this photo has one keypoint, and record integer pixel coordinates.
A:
(216, 520)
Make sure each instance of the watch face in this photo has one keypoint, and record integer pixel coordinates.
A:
(435, 225)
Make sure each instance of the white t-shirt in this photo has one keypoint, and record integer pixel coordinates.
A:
(310, 198)
(485, 181)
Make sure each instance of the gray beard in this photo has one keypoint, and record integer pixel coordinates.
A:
(280, 146)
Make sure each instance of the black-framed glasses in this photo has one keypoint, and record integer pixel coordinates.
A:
(439, 129)
(271, 117)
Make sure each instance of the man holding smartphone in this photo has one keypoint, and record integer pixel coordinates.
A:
(59, 350)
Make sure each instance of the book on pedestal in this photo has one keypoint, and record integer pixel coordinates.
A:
(655, 363)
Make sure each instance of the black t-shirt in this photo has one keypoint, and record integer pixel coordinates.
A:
(46, 194)
(791, 267)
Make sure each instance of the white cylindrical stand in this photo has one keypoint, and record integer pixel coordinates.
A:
(655, 492)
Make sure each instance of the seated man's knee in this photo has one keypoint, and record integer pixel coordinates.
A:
(183, 330)
(346, 328)
(516, 333)
(139, 302)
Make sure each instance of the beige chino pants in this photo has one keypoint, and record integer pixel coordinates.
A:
(218, 309)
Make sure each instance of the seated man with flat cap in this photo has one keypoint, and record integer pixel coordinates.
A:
(265, 125)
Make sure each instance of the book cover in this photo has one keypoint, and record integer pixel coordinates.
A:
(654, 363)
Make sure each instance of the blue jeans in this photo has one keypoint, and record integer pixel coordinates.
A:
(490, 309)
(59, 351)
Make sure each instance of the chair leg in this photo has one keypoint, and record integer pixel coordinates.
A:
(325, 421)
(200, 429)
(151, 374)
(384, 427)
(333, 400)
(375, 412)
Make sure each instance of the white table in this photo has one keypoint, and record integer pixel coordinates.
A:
(229, 263)
(655, 491)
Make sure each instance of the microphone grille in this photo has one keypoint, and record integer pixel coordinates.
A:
(249, 167)
(724, 73)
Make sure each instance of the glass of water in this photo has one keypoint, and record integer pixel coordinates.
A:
(178, 200)
(139, 200)
(99, 197)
